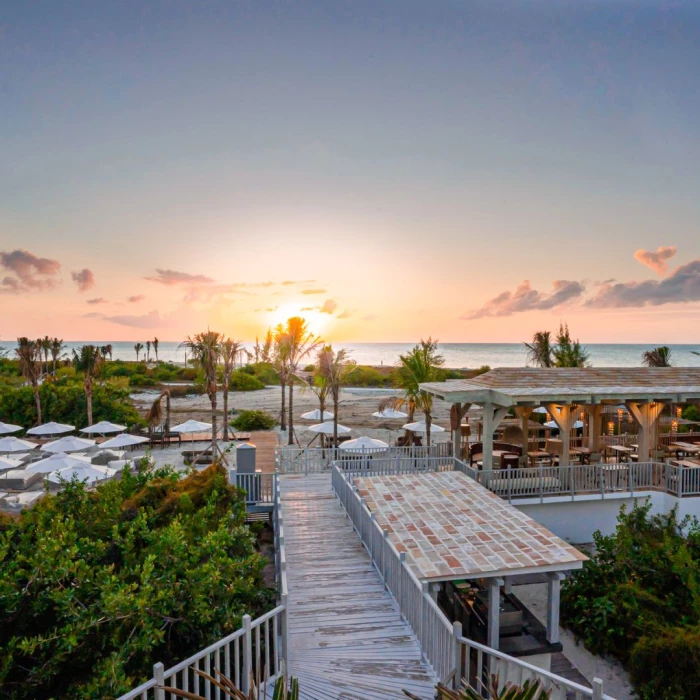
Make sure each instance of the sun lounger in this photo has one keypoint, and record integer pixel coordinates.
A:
(19, 479)
(18, 501)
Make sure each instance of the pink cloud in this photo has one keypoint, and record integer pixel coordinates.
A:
(98, 300)
(136, 298)
(85, 279)
(173, 277)
(656, 259)
(31, 273)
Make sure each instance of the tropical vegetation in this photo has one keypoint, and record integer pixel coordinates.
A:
(638, 599)
(253, 420)
(333, 368)
(96, 584)
(563, 352)
(658, 357)
(493, 690)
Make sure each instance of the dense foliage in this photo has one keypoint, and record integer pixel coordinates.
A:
(244, 381)
(141, 374)
(253, 420)
(97, 585)
(638, 598)
(64, 401)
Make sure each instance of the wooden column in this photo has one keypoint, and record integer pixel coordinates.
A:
(564, 417)
(457, 433)
(553, 594)
(492, 636)
(595, 413)
(646, 415)
(524, 413)
(492, 418)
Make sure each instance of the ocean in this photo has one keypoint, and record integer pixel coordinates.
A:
(457, 355)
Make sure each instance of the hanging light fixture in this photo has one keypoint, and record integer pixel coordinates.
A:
(611, 428)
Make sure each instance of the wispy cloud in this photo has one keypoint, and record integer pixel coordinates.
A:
(656, 259)
(329, 306)
(345, 314)
(288, 282)
(525, 298)
(174, 277)
(150, 320)
(370, 317)
(85, 279)
(31, 273)
(136, 298)
(98, 300)
(682, 286)
(313, 291)
(309, 308)
(208, 292)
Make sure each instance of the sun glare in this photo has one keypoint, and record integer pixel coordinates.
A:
(318, 322)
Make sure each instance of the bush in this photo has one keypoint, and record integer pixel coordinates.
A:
(265, 372)
(362, 375)
(97, 585)
(253, 420)
(243, 381)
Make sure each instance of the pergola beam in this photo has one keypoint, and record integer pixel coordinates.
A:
(493, 415)
(565, 417)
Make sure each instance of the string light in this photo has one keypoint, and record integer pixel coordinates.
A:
(611, 428)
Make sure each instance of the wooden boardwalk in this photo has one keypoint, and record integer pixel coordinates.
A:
(346, 636)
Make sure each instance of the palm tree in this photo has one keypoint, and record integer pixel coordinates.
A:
(229, 349)
(568, 352)
(148, 351)
(280, 363)
(154, 415)
(539, 352)
(56, 350)
(658, 357)
(205, 349)
(300, 343)
(319, 383)
(29, 354)
(155, 348)
(138, 347)
(44, 345)
(106, 350)
(334, 368)
(88, 361)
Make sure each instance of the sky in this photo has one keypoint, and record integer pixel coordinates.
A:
(470, 171)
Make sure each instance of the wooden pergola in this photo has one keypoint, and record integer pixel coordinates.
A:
(567, 392)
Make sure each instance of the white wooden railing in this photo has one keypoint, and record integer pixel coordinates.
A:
(454, 659)
(312, 460)
(253, 655)
(259, 488)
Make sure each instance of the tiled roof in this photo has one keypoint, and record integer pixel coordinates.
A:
(454, 528)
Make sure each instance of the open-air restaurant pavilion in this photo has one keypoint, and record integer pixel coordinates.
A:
(569, 395)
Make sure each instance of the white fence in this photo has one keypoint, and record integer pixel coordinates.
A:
(255, 654)
(260, 489)
(454, 659)
(313, 460)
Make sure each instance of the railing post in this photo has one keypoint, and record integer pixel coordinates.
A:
(456, 634)
(679, 480)
(247, 655)
(385, 548)
(306, 461)
(601, 477)
(425, 592)
(399, 585)
(159, 676)
(285, 626)
(597, 689)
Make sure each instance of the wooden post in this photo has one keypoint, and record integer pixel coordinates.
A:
(553, 594)
(159, 676)
(494, 612)
(564, 417)
(248, 654)
(597, 689)
(524, 413)
(456, 634)
(646, 415)
(594, 425)
(385, 556)
(492, 419)
(457, 435)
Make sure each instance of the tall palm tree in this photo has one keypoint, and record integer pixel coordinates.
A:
(658, 357)
(155, 348)
(568, 352)
(56, 350)
(138, 347)
(229, 349)
(106, 350)
(205, 349)
(334, 367)
(88, 361)
(301, 342)
(539, 352)
(44, 345)
(29, 355)
(279, 357)
(148, 351)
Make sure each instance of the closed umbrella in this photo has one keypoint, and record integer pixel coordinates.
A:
(70, 443)
(51, 429)
(124, 440)
(421, 427)
(316, 415)
(7, 428)
(104, 427)
(13, 444)
(364, 444)
(191, 426)
(390, 413)
(327, 428)
(57, 461)
(89, 473)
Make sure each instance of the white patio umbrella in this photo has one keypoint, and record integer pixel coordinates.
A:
(57, 461)
(13, 444)
(553, 425)
(69, 443)
(364, 444)
(390, 413)
(51, 429)
(420, 427)
(540, 409)
(316, 415)
(104, 427)
(84, 472)
(124, 440)
(327, 428)
(191, 426)
(7, 428)
(6, 464)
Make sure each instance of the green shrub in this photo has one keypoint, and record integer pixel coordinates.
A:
(97, 585)
(265, 372)
(365, 376)
(253, 420)
(242, 381)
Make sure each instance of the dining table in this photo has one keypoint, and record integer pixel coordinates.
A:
(622, 451)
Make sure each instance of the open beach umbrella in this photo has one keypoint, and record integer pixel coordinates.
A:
(103, 428)
(57, 461)
(124, 440)
(191, 426)
(540, 409)
(13, 444)
(364, 444)
(69, 443)
(554, 426)
(420, 427)
(7, 428)
(316, 415)
(327, 428)
(6, 464)
(84, 472)
(390, 413)
(50, 429)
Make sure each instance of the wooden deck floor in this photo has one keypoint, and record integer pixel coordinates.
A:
(346, 637)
